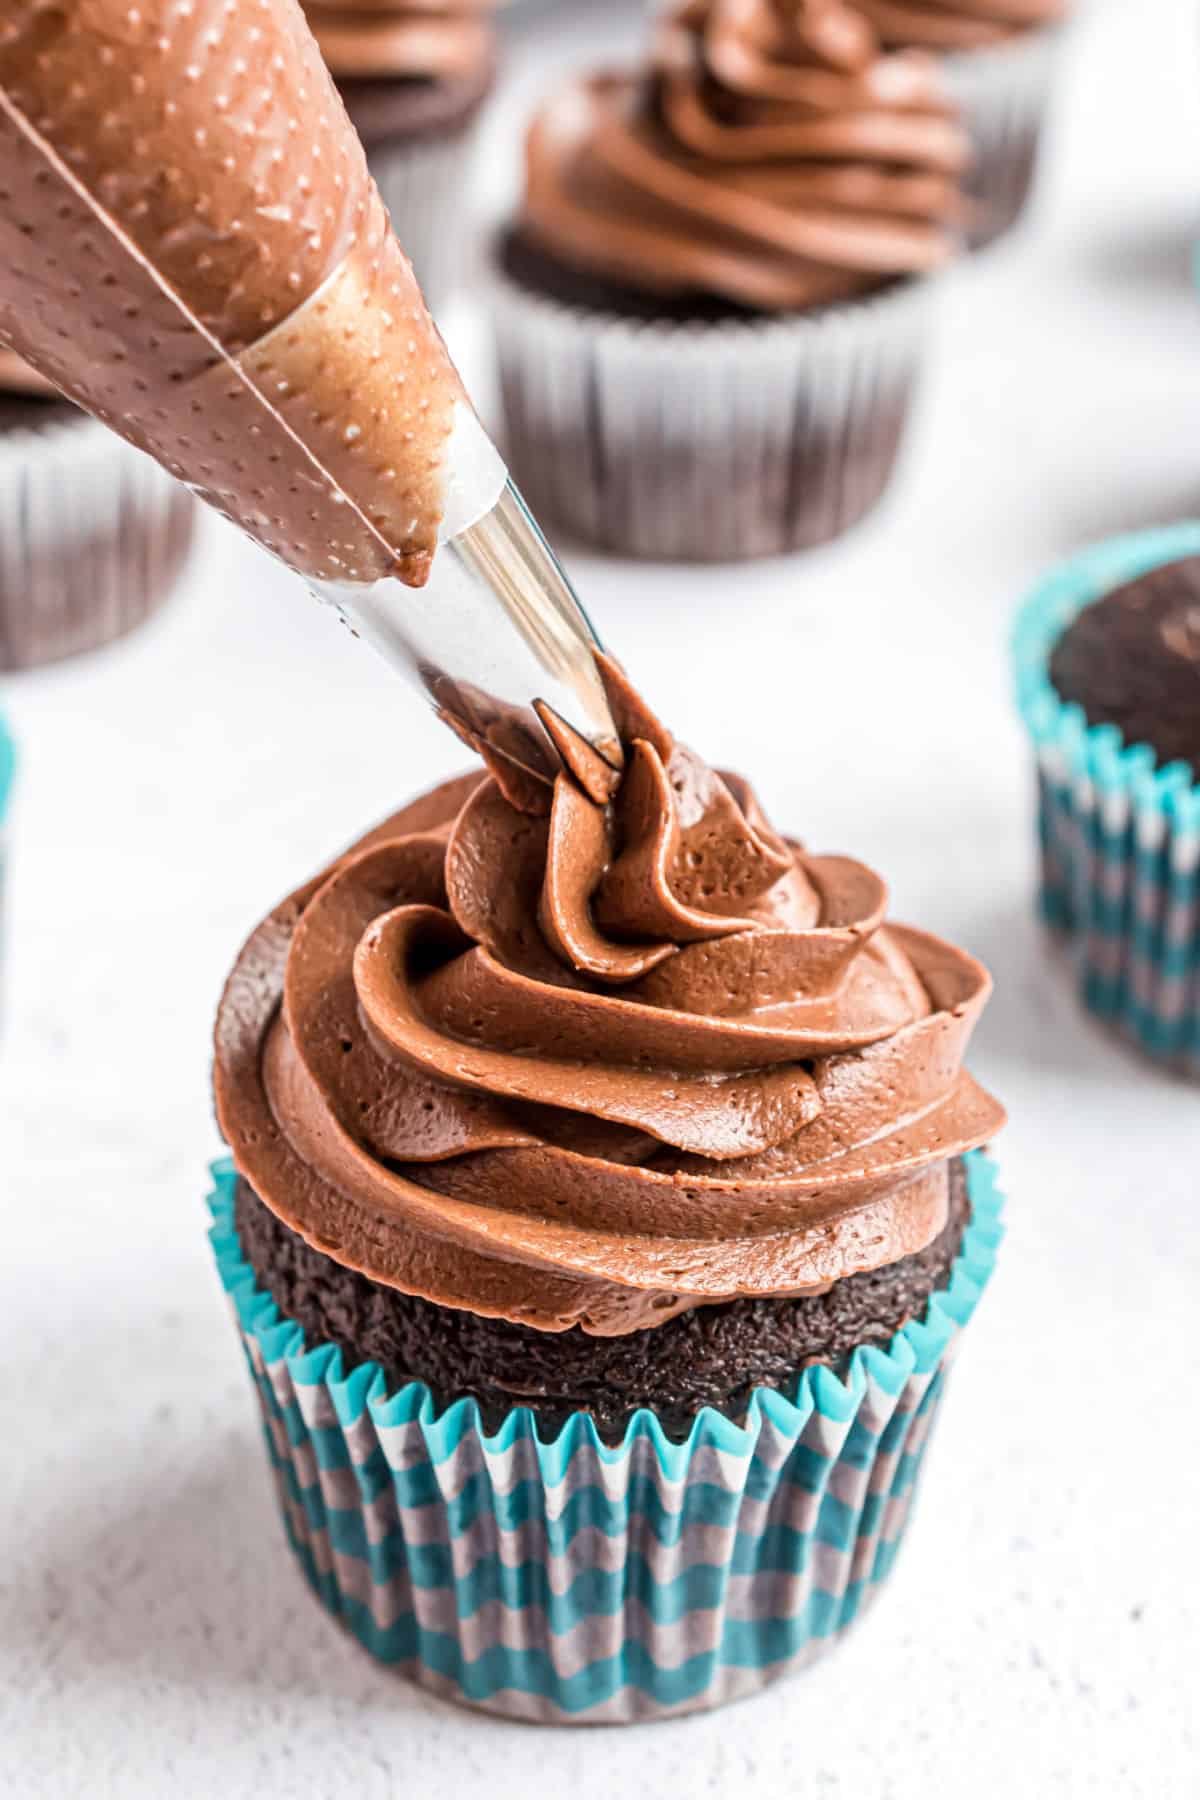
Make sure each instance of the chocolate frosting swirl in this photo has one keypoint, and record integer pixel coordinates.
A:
(958, 24)
(603, 1063)
(431, 40)
(770, 156)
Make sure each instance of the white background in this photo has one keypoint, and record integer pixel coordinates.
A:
(1042, 1632)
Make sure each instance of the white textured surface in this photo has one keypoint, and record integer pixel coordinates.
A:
(1041, 1635)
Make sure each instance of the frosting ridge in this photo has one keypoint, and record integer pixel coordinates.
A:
(770, 155)
(428, 40)
(599, 1064)
(959, 24)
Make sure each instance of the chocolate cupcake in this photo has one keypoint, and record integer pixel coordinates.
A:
(1108, 670)
(414, 75)
(92, 533)
(712, 303)
(604, 1205)
(1000, 58)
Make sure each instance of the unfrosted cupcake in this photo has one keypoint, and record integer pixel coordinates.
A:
(1000, 59)
(604, 1208)
(414, 75)
(1108, 670)
(712, 302)
(92, 533)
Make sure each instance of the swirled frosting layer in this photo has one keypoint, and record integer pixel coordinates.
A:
(431, 40)
(770, 155)
(600, 1063)
(958, 24)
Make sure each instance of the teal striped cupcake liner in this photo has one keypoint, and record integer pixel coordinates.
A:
(571, 1581)
(8, 766)
(8, 770)
(1119, 833)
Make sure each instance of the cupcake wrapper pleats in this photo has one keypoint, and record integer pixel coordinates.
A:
(1004, 94)
(706, 442)
(1119, 836)
(423, 184)
(575, 1582)
(92, 535)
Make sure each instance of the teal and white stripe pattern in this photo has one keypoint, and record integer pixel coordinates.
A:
(1119, 834)
(8, 766)
(575, 1582)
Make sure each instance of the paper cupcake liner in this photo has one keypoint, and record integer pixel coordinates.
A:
(706, 442)
(1119, 834)
(425, 184)
(8, 768)
(575, 1582)
(1004, 94)
(92, 535)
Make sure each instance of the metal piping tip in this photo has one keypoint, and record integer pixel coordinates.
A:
(501, 645)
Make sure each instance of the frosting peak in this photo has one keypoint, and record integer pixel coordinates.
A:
(600, 1064)
(770, 155)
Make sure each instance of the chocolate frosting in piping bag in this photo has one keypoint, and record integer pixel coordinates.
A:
(19, 377)
(604, 1063)
(770, 156)
(193, 249)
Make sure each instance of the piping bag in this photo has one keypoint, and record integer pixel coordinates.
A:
(192, 249)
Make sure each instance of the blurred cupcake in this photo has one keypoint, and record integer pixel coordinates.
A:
(604, 1209)
(92, 533)
(414, 75)
(1108, 670)
(712, 302)
(1000, 58)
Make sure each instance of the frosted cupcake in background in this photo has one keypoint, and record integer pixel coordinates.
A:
(1000, 59)
(1108, 671)
(92, 533)
(414, 75)
(712, 303)
(604, 1209)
